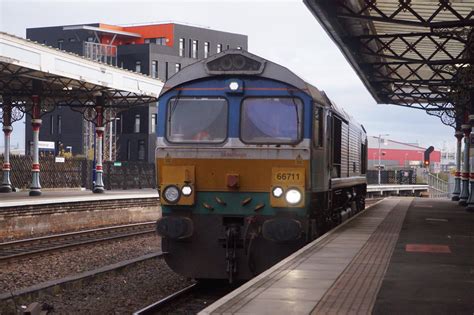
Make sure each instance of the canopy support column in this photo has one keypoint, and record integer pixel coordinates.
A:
(35, 187)
(6, 185)
(457, 176)
(99, 133)
(470, 202)
(465, 170)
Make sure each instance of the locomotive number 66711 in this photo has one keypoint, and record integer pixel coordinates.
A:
(252, 163)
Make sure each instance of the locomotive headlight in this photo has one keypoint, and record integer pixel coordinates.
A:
(234, 86)
(186, 190)
(277, 192)
(293, 196)
(171, 194)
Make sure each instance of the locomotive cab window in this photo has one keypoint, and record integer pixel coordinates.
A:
(271, 120)
(197, 120)
(318, 130)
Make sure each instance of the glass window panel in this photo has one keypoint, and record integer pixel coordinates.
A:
(136, 128)
(181, 47)
(154, 69)
(197, 120)
(271, 120)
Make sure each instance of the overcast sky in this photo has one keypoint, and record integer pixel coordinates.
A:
(281, 31)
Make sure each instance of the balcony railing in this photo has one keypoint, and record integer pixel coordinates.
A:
(100, 52)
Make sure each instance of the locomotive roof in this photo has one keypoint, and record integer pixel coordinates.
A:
(267, 69)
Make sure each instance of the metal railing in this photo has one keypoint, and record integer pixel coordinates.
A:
(438, 188)
(100, 52)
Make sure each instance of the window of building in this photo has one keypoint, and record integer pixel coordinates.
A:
(136, 126)
(239, 47)
(129, 150)
(60, 43)
(177, 67)
(190, 47)
(219, 48)
(138, 66)
(153, 123)
(195, 49)
(59, 123)
(181, 47)
(206, 49)
(161, 41)
(51, 125)
(166, 70)
(141, 150)
(154, 69)
(228, 47)
(158, 40)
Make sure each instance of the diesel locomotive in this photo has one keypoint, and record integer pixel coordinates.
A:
(252, 163)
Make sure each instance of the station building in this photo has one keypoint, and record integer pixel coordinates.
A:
(157, 50)
(397, 155)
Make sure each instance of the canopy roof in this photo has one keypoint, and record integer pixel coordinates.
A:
(414, 53)
(101, 30)
(62, 78)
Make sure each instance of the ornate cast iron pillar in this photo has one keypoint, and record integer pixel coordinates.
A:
(99, 132)
(6, 186)
(466, 128)
(457, 177)
(470, 201)
(35, 187)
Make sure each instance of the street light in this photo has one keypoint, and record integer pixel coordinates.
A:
(380, 138)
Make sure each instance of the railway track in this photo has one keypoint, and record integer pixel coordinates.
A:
(191, 299)
(38, 245)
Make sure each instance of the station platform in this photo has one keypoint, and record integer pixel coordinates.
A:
(61, 211)
(403, 255)
(15, 199)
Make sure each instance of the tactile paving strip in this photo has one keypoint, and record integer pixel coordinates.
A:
(356, 289)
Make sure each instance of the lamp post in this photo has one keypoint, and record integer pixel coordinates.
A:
(380, 138)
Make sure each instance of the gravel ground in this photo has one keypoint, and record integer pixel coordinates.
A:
(120, 293)
(31, 271)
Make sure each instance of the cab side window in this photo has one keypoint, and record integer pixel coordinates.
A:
(318, 130)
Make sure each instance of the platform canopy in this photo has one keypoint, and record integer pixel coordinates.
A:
(64, 79)
(413, 53)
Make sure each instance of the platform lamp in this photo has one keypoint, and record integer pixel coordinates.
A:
(379, 139)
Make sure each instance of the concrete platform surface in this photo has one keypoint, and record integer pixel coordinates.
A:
(363, 266)
(58, 196)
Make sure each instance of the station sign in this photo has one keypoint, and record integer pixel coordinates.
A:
(117, 163)
(48, 145)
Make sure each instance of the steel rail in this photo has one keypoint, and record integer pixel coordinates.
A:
(43, 244)
(155, 307)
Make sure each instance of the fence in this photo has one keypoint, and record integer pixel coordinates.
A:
(438, 187)
(401, 177)
(78, 172)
